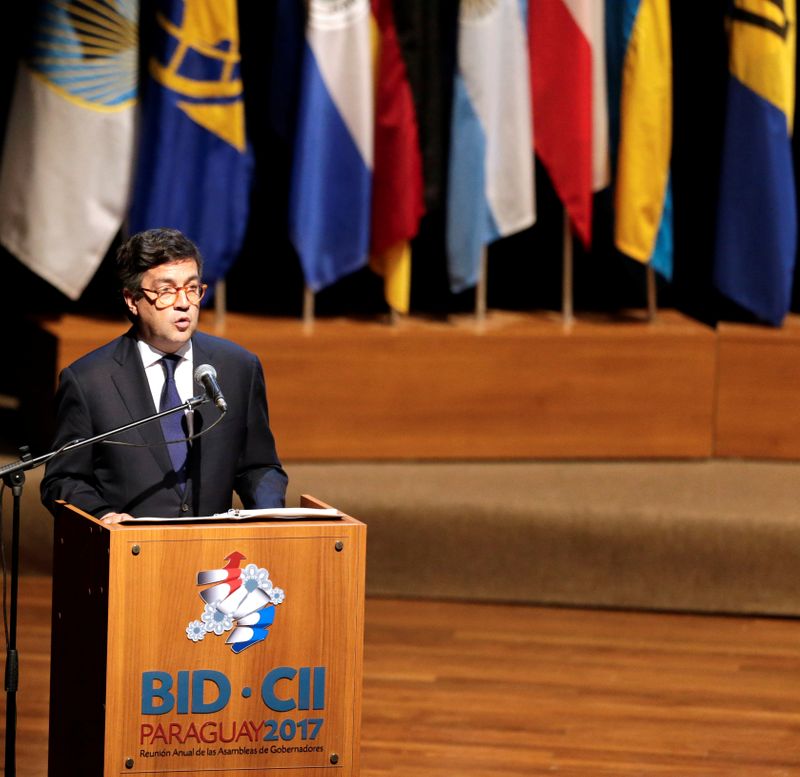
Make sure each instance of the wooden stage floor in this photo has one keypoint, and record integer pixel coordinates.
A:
(468, 690)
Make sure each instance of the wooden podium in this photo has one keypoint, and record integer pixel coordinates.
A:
(225, 648)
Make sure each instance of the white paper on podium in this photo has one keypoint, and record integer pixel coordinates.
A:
(270, 513)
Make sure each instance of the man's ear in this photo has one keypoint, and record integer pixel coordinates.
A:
(130, 302)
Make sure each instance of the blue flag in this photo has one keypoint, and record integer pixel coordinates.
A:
(288, 44)
(195, 167)
(757, 219)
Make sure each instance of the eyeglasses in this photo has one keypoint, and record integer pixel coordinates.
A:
(168, 295)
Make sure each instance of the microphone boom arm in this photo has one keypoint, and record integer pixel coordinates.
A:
(23, 465)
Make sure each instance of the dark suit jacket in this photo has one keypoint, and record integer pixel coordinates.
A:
(108, 388)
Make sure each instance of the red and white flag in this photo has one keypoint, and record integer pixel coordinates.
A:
(568, 84)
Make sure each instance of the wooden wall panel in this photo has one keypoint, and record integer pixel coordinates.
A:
(523, 386)
(758, 405)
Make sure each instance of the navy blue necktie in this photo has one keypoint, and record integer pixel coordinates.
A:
(172, 425)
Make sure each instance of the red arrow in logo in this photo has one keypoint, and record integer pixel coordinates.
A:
(233, 559)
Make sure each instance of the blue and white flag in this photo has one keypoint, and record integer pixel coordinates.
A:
(195, 166)
(491, 184)
(66, 170)
(329, 202)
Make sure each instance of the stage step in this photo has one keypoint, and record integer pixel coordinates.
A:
(701, 536)
(707, 536)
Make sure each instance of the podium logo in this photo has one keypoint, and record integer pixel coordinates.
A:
(239, 602)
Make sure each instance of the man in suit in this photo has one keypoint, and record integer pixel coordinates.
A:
(150, 368)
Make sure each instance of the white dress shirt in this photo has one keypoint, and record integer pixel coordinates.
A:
(154, 370)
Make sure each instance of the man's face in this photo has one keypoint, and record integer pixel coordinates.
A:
(166, 328)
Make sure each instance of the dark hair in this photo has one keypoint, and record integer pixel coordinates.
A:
(152, 248)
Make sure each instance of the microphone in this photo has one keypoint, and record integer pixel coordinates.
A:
(207, 376)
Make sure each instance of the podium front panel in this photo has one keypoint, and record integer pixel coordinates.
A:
(235, 649)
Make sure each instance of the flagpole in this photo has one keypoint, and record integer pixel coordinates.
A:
(566, 273)
(481, 290)
(308, 309)
(220, 305)
(652, 302)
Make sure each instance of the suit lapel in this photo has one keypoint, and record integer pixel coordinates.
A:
(131, 383)
(202, 417)
(200, 355)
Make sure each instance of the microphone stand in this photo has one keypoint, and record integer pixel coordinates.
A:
(13, 475)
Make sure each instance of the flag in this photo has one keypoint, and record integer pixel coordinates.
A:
(67, 158)
(287, 55)
(640, 110)
(490, 189)
(427, 31)
(195, 166)
(397, 185)
(756, 219)
(569, 86)
(330, 191)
